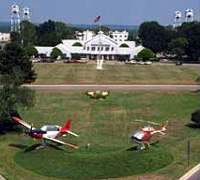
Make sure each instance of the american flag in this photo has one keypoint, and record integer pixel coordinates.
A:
(97, 19)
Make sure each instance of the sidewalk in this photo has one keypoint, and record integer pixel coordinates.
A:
(190, 173)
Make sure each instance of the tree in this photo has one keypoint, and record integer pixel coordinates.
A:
(146, 54)
(77, 44)
(124, 45)
(31, 51)
(56, 53)
(14, 62)
(191, 31)
(154, 36)
(178, 47)
(47, 34)
(28, 33)
(15, 37)
(15, 70)
(65, 31)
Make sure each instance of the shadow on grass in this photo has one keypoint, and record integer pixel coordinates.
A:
(194, 126)
(136, 148)
(39, 146)
(35, 147)
(19, 146)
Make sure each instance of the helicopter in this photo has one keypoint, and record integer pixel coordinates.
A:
(143, 136)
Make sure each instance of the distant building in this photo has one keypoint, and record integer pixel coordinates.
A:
(119, 36)
(4, 37)
(89, 45)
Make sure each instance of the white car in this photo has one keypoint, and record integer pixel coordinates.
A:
(131, 62)
(148, 63)
(141, 63)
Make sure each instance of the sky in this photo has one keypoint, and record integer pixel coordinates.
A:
(121, 12)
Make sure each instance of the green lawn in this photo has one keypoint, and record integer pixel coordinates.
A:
(107, 126)
(115, 74)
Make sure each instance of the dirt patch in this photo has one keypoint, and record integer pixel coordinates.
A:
(145, 177)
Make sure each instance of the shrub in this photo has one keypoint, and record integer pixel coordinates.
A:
(77, 44)
(55, 53)
(146, 54)
(124, 45)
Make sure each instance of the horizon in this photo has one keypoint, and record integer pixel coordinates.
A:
(126, 12)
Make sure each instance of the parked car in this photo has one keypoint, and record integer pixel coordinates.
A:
(141, 63)
(46, 60)
(147, 62)
(35, 60)
(77, 61)
(131, 62)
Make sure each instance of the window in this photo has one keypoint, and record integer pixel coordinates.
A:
(101, 48)
(88, 48)
(107, 49)
(112, 48)
(98, 48)
(93, 48)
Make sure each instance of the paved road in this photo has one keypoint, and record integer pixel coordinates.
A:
(115, 87)
(195, 176)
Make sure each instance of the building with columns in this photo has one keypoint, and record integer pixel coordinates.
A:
(97, 46)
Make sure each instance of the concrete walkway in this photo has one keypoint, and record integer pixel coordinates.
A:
(193, 174)
(1, 178)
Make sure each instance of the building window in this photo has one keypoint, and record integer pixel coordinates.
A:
(88, 48)
(101, 48)
(93, 48)
(98, 48)
(107, 49)
(112, 48)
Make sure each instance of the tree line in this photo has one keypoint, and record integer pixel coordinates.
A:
(183, 41)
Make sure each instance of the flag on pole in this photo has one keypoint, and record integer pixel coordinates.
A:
(97, 19)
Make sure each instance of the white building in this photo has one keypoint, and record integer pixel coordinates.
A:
(119, 36)
(92, 46)
(4, 37)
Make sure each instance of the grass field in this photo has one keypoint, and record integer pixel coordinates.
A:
(115, 74)
(107, 126)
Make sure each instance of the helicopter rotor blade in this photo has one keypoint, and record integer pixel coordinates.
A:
(149, 122)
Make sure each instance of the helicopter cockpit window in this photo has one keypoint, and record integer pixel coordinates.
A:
(138, 134)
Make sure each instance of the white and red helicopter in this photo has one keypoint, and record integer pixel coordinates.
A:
(144, 135)
(48, 132)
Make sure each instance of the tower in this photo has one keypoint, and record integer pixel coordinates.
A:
(177, 18)
(26, 13)
(189, 15)
(15, 18)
